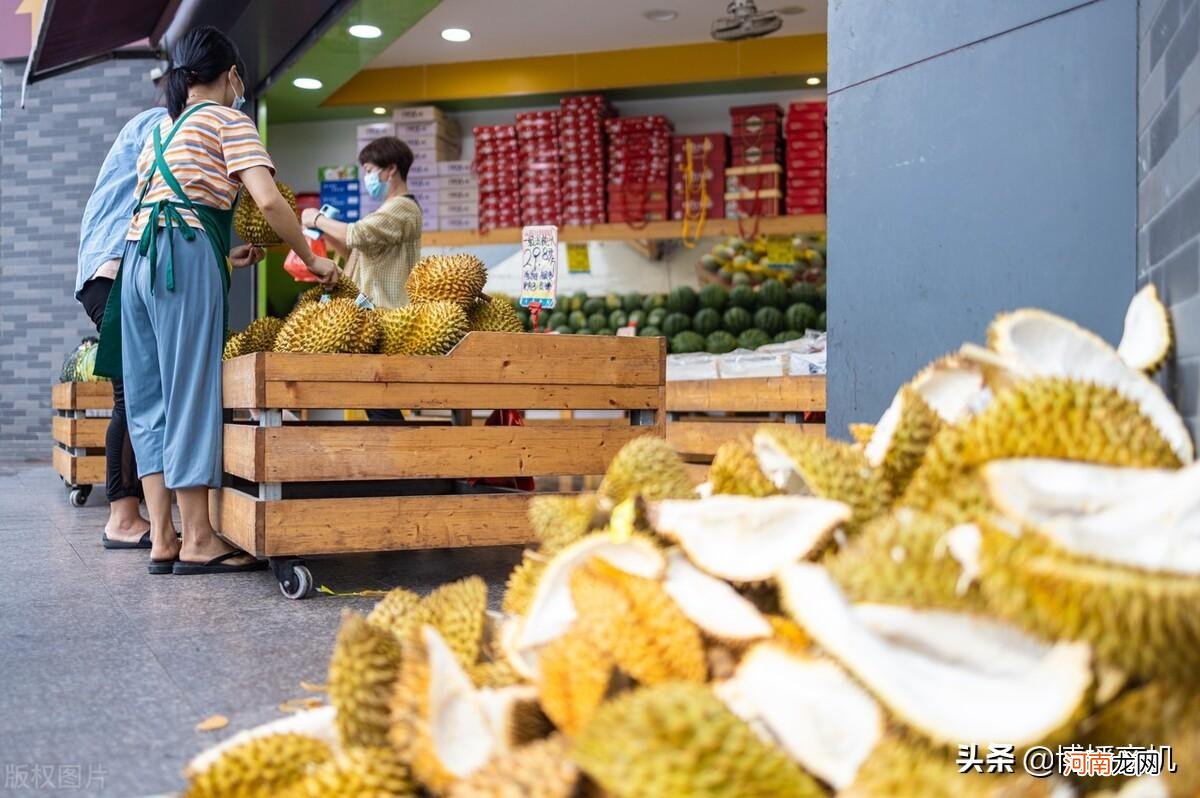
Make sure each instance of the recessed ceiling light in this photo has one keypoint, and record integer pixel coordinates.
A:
(660, 15)
(311, 84)
(456, 34)
(365, 31)
(813, 81)
(379, 110)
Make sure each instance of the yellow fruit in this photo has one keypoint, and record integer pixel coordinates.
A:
(646, 467)
(361, 674)
(457, 278)
(898, 443)
(359, 773)
(345, 288)
(397, 327)
(249, 222)
(541, 769)
(735, 470)
(457, 610)
(437, 328)
(559, 521)
(575, 673)
(494, 315)
(393, 612)
(522, 582)
(337, 326)
(264, 767)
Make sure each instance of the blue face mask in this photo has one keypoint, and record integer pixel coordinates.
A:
(375, 187)
(239, 99)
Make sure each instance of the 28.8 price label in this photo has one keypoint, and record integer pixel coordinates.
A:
(539, 266)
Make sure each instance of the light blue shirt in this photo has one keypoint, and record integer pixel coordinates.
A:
(109, 210)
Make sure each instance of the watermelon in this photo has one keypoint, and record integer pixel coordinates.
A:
(593, 305)
(618, 318)
(710, 264)
(638, 318)
(557, 319)
(753, 339)
(714, 296)
(706, 321)
(656, 316)
(804, 292)
(606, 331)
(687, 342)
(631, 302)
(821, 321)
(742, 296)
(737, 320)
(719, 343)
(740, 278)
(612, 302)
(577, 300)
(773, 294)
(597, 321)
(787, 335)
(654, 301)
(676, 323)
(820, 297)
(800, 317)
(724, 253)
(769, 320)
(577, 319)
(649, 331)
(682, 300)
(565, 330)
(585, 331)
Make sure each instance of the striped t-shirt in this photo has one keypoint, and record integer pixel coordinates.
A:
(214, 144)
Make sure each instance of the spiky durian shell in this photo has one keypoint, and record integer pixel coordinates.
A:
(457, 610)
(331, 327)
(457, 278)
(522, 582)
(1145, 624)
(494, 315)
(259, 336)
(574, 675)
(676, 740)
(361, 674)
(541, 769)
(1044, 417)
(903, 558)
(646, 467)
(249, 222)
(438, 326)
(734, 470)
(789, 634)
(861, 433)
(265, 766)
(359, 773)
(559, 521)
(497, 673)
(234, 347)
(345, 288)
(396, 329)
(635, 619)
(394, 610)
(914, 431)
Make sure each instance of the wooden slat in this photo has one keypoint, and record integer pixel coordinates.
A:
(703, 438)
(343, 452)
(303, 527)
(782, 225)
(450, 396)
(83, 470)
(697, 471)
(81, 396)
(241, 382)
(84, 433)
(752, 395)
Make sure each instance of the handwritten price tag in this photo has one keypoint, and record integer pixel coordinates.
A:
(539, 265)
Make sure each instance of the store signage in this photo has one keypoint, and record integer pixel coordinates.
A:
(539, 266)
(780, 250)
(578, 261)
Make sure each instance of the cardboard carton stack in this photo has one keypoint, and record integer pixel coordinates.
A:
(698, 175)
(581, 147)
(498, 175)
(458, 195)
(541, 167)
(639, 165)
(806, 151)
(433, 138)
(754, 181)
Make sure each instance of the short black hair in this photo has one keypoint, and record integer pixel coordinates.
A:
(388, 151)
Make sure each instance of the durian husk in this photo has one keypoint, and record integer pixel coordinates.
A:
(734, 470)
(337, 326)
(575, 674)
(259, 336)
(345, 288)
(541, 769)
(675, 740)
(649, 468)
(394, 611)
(559, 521)
(359, 773)
(457, 278)
(861, 433)
(458, 611)
(901, 437)
(1147, 338)
(362, 672)
(522, 583)
(249, 222)
(265, 766)
(494, 314)
(495, 674)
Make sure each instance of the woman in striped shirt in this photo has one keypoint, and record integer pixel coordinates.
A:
(171, 305)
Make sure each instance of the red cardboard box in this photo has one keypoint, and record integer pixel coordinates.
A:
(800, 174)
(811, 134)
(710, 147)
(811, 111)
(754, 119)
(752, 154)
(804, 210)
(801, 148)
(795, 126)
(487, 133)
(631, 124)
(749, 208)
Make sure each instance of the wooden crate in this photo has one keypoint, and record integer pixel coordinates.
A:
(703, 414)
(78, 454)
(277, 501)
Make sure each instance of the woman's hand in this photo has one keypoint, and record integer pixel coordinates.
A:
(245, 255)
(308, 217)
(325, 269)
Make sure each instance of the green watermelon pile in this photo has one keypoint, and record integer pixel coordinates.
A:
(80, 364)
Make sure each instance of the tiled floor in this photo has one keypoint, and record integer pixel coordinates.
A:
(105, 670)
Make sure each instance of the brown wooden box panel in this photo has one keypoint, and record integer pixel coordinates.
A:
(82, 433)
(752, 395)
(81, 396)
(303, 527)
(82, 470)
(351, 452)
(451, 396)
(700, 439)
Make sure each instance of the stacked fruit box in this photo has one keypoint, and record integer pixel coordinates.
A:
(498, 175)
(433, 138)
(639, 162)
(698, 175)
(541, 165)
(806, 149)
(757, 162)
(581, 145)
(457, 195)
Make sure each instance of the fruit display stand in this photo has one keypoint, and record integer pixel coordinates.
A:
(308, 488)
(78, 454)
(703, 414)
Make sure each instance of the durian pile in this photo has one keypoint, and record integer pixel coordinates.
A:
(447, 303)
(249, 223)
(1009, 556)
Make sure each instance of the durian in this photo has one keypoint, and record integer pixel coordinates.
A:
(397, 329)
(559, 521)
(394, 611)
(804, 464)
(436, 328)
(345, 288)
(359, 773)
(734, 470)
(575, 674)
(747, 540)
(900, 439)
(362, 672)
(495, 314)
(457, 278)
(1146, 340)
(541, 769)
(249, 222)
(457, 611)
(265, 766)
(495, 673)
(676, 740)
(712, 604)
(318, 724)
(953, 678)
(259, 336)
(861, 433)
(647, 467)
(337, 326)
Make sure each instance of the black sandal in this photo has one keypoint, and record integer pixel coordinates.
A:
(141, 543)
(217, 565)
(161, 566)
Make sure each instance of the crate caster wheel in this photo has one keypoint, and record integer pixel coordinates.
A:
(79, 495)
(295, 580)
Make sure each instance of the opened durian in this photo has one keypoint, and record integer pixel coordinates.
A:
(457, 278)
(734, 470)
(576, 673)
(541, 769)
(494, 314)
(522, 582)
(259, 768)
(249, 223)
(337, 326)
(647, 467)
(559, 521)
(375, 772)
(712, 604)
(1146, 340)
(362, 672)
(900, 438)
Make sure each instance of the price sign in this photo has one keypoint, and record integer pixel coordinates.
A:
(578, 261)
(780, 250)
(539, 265)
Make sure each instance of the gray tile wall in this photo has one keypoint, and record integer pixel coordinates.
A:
(1169, 182)
(50, 152)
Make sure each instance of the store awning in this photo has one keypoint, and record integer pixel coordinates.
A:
(75, 33)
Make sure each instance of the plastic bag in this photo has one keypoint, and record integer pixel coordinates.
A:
(295, 267)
